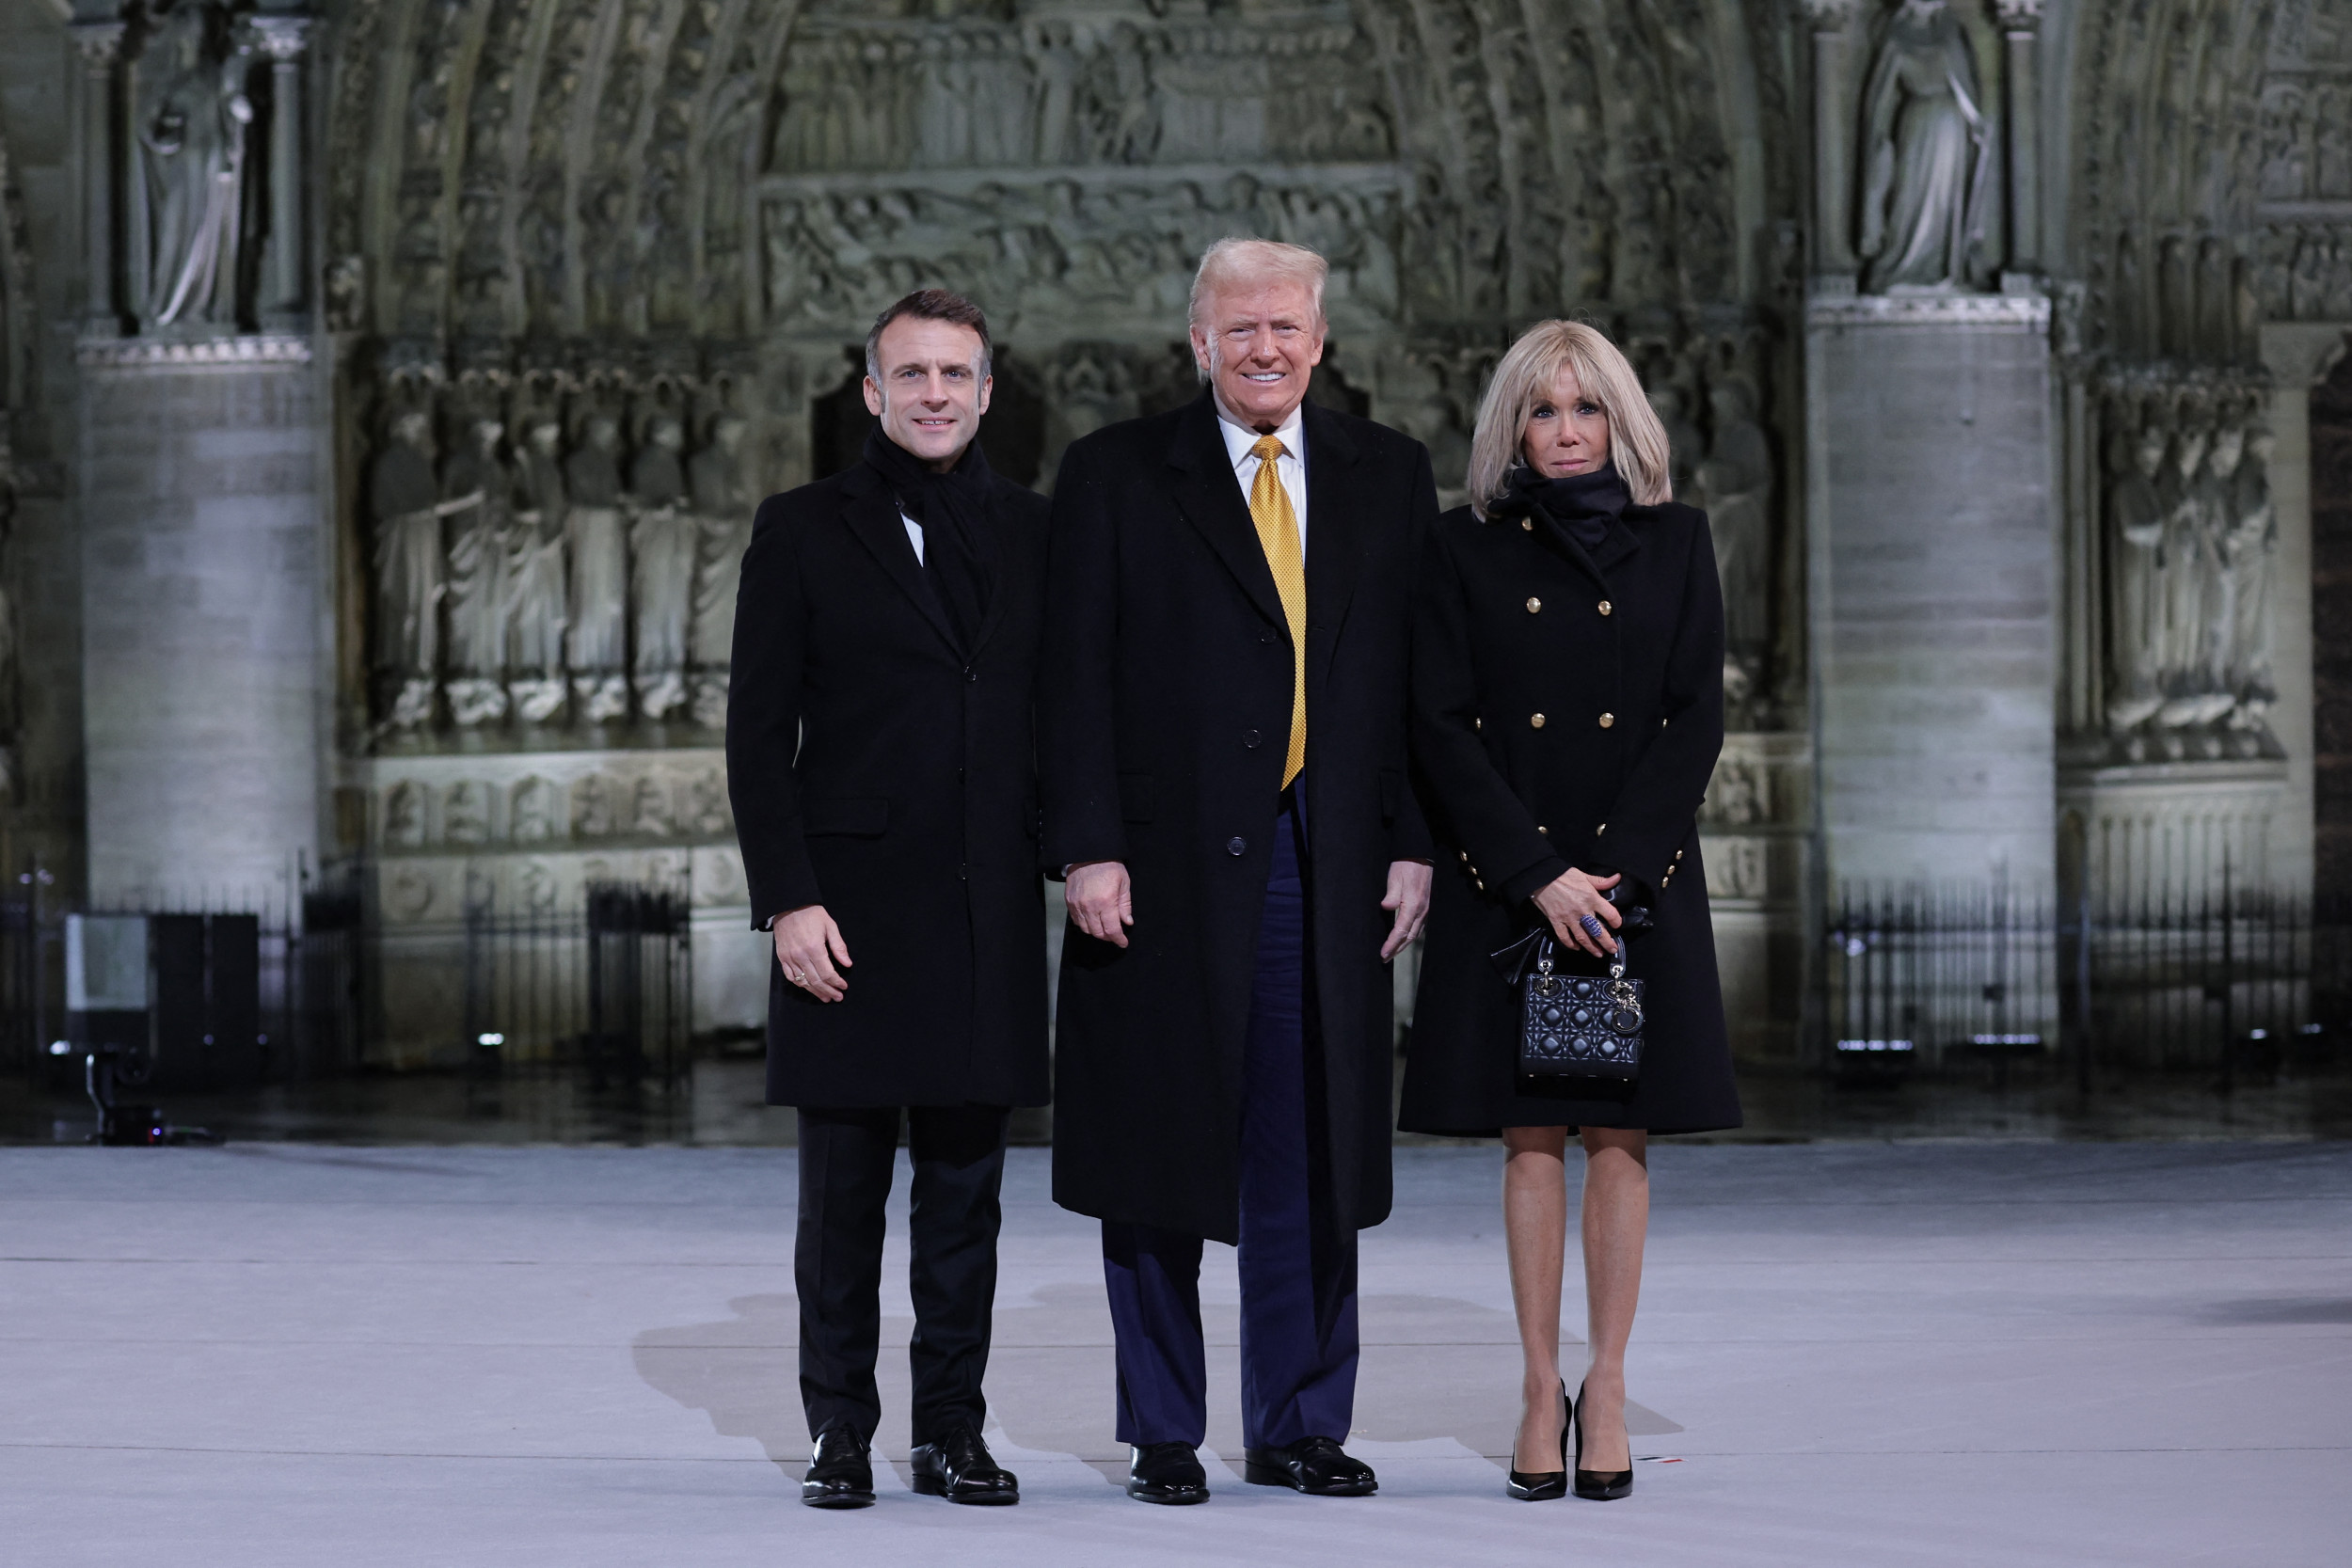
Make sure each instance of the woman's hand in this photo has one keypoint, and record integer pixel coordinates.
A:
(1572, 895)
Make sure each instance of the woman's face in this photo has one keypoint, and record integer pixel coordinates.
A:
(1566, 433)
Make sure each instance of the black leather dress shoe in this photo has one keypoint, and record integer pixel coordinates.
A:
(840, 1473)
(1166, 1473)
(957, 1467)
(1315, 1466)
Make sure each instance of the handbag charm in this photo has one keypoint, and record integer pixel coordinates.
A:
(1579, 1025)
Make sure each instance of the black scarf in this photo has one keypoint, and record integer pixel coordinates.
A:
(959, 552)
(1582, 506)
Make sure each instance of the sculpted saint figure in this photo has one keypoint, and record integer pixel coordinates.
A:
(2135, 607)
(408, 569)
(662, 541)
(2207, 650)
(1924, 144)
(2253, 557)
(723, 515)
(1737, 479)
(2181, 569)
(597, 640)
(537, 611)
(193, 114)
(477, 481)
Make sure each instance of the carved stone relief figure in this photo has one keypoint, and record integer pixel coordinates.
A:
(1740, 794)
(1737, 478)
(537, 607)
(2135, 550)
(649, 810)
(476, 483)
(1924, 144)
(409, 580)
(593, 807)
(2253, 556)
(2182, 570)
(596, 638)
(465, 812)
(706, 807)
(2206, 649)
(531, 814)
(663, 540)
(724, 515)
(193, 116)
(403, 815)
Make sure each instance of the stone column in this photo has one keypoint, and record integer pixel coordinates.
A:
(1833, 181)
(101, 44)
(284, 295)
(2021, 23)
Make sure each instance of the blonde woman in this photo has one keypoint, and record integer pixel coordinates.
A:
(1567, 710)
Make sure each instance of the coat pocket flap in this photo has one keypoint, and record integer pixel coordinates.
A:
(852, 815)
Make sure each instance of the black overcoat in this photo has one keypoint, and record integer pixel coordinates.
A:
(1163, 712)
(1567, 710)
(877, 770)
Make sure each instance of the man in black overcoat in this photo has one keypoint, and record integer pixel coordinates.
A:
(882, 761)
(1222, 728)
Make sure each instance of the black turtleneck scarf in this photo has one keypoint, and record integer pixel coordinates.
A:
(1582, 506)
(959, 553)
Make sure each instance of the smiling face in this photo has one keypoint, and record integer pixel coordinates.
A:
(1259, 342)
(1566, 433)
(931, 394)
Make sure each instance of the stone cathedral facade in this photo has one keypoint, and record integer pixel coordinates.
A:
(386, 385)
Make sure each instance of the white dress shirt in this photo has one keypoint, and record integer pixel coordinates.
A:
(1291, 468)
(914, 536)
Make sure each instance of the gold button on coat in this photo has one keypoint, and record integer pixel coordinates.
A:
(1537, 721)
(1528, 523)
(1604, 607)
(1607, 720)
(1534, 605)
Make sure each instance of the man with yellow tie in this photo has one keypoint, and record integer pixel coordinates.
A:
(1221, 731)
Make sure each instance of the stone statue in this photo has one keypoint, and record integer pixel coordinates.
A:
(649, 809)
(536, 610)
(409, 580)
(596, 638)
(2182, 569)
(2254, 561)
(1924, 145)
(722, 510)
(662, 536)
(2206, 670)
(1737, 477)
(192, 117)
(2134, 603)
(465, 812)
(480, 556)
(531, 817)
(592, 807)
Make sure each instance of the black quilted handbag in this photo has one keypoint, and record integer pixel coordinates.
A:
(1576, 1026)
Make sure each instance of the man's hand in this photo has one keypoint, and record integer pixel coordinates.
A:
(808, 944)
(1099, 901)
(1408, 896)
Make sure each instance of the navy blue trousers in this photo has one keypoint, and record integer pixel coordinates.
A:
(1298, 1271)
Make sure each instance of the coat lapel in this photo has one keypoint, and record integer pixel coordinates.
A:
(1336, 514)
(872, 515)
(1209, 497)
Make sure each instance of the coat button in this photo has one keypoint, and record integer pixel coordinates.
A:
(1607, 720)
(1534, 605)
(1535, 720)
(970, 674)
(1266, 636)
(1478, 725)
(1249, 739)
(1604, 607)
(1541, 829)
(1236, 846)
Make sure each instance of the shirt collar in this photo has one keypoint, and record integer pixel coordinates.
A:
(1239, 439)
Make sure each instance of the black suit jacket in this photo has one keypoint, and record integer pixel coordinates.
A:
(1163, 707)
(878, 770)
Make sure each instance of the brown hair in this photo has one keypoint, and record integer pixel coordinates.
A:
(930, 305)
(1637, 441)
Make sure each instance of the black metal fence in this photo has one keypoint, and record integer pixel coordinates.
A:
(2226, 980)
(605, 989)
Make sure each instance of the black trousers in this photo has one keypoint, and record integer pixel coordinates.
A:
(846, 1162)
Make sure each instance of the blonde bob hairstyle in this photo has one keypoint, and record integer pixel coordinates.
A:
(1636, 440)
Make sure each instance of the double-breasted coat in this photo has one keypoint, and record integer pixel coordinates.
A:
(1164, 711)
(878, 769)
(1567, 710)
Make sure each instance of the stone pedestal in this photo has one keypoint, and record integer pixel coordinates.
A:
(200, 594)
(1932, 587)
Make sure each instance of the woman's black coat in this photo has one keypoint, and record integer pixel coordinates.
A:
(1163, 713)
(877, 770)
(1567, 710)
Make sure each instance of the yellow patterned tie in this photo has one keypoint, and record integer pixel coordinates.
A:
(1277, 534)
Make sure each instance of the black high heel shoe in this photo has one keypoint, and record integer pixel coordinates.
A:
(1600, 1486)
(1541, 1486)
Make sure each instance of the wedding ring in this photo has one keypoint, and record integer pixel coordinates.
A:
(795, 977)
(1593, 927)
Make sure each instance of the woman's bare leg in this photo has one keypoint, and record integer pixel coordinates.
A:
(1617, 1221)
(1535, 1231)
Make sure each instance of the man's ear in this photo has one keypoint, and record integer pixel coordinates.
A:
(988, 384)
(1200, 347)
(873, 398)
